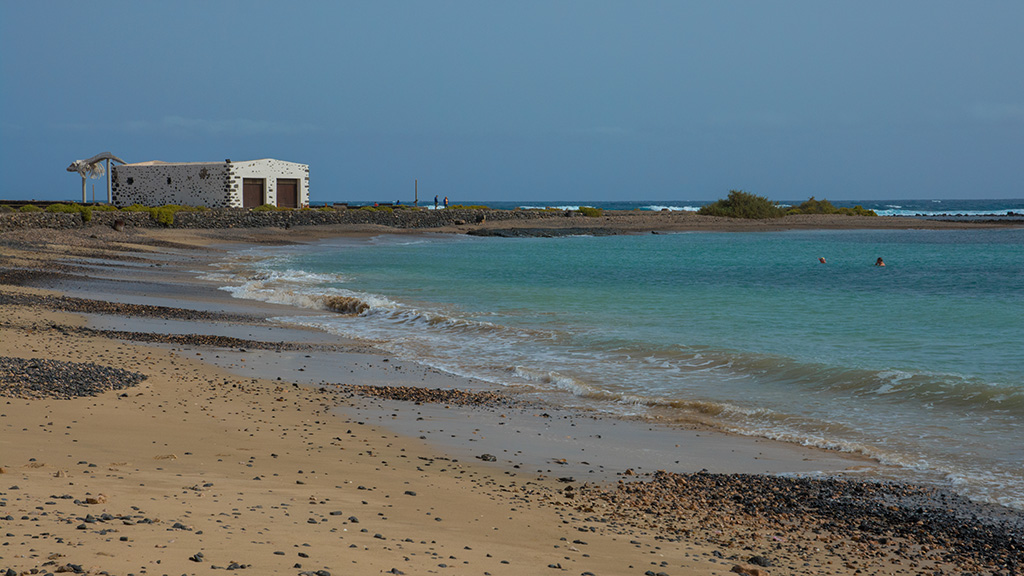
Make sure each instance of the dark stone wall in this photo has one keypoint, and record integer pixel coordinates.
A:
(242, 218)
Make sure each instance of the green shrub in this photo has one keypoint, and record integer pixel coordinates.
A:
(6, 208)
(267, 208)
(857, 210)
(473, 207)
(591, 212)
(741, 204)
(163, 214)
(31, 208)
(812, 206)
(326, 209)
(85, 211)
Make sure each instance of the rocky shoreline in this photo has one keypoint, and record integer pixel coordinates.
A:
(854, 519)
(463, 220)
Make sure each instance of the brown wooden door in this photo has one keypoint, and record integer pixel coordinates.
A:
(287, 193)
(252, 192)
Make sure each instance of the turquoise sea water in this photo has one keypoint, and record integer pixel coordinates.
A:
(918, 363)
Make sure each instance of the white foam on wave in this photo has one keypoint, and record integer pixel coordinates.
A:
(659, 208)
(561, 207)
(567, 383)
(897, 211)
(892, 382)
(301, 289)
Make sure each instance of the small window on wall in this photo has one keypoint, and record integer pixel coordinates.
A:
(168, 180)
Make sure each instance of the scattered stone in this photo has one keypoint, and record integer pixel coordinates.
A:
(43, 378)
(761, 561)
(431, 396)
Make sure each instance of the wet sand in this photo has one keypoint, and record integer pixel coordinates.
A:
(257, 447)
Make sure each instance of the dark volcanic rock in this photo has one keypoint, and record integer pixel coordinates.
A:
(42, 378)
(432, 396)
(71, 304)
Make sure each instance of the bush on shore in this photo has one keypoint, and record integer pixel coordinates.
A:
(85, 211)
(741, 204)
(812, 206)
(591, 212)
(164, 214)
(30, 208)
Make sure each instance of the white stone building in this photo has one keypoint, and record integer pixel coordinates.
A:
(224, 184)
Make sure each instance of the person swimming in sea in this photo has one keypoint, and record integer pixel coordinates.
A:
(879, 262)
(822, 260)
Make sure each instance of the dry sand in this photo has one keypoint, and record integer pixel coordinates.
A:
(209, 463)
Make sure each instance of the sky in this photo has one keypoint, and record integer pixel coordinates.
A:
(526, 100)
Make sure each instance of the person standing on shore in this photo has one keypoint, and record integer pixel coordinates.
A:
(445, 202)
(435, 201)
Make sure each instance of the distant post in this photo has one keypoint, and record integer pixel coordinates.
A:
(416, 192)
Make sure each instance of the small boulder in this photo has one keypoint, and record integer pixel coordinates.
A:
(749, 570)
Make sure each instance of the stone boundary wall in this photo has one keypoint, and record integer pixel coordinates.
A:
(241, 218)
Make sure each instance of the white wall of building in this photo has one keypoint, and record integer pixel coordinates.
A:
(211, 184)
(269, 170)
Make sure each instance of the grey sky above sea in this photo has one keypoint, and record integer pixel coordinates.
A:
(527, 100)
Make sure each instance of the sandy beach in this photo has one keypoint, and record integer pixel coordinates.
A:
(151, 424)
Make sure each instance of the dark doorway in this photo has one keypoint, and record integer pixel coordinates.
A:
(287, 193)
(252, 192)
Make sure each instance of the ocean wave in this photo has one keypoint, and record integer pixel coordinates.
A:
(580, 388)
(569, 207)
(318, 291)
(899, 211)
(345, 304)
(670, 208)
(937, 389)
